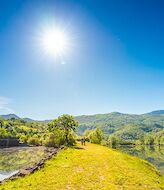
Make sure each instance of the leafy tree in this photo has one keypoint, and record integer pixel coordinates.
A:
(23, 138)
(159, 138)
(96, 136)
(113, 141)
(50, 140)
(67, 123)
(4, 133)
(34, 140)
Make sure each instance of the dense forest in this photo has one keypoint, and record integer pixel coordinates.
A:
(126, 128)
(54, 134)
(108, 129)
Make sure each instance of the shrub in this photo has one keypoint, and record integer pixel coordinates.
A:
(113, 141)
(96, 136)
(34, 140)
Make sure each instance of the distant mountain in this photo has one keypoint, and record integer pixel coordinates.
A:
(156, 113)
(9, 116)
(127, 125)
(28, 119)
(114, 122)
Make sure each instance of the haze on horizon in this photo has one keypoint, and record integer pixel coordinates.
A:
(110, 57)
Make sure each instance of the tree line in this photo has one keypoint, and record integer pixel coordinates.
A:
(98, 137)
(60, 131)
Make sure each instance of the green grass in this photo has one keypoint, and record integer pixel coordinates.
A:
(94, 167)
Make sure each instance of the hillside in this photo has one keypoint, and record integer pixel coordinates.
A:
(156, 113)
(127, 126)
(91, 167)
(9, 116)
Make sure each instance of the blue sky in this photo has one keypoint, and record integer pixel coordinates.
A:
(115, 62)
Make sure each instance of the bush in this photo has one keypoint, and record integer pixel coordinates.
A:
(96, 136)
(23, 138)
(104, 143)
(113, 141)
(57, 138)
(49, 140)
(4, 133)
(34, 140)
(71, 139)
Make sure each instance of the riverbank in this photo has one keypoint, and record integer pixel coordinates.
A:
(91, 167)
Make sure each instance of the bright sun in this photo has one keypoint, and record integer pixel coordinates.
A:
(54, 42)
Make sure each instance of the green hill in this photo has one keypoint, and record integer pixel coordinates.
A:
(130, 127)
(126, 126)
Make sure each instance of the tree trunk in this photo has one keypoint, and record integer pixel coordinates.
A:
(66, 136)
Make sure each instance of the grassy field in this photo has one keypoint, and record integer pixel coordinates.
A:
(91, 167)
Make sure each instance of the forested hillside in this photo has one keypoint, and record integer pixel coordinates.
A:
(128, 127)
(125, 126)
(53, 134)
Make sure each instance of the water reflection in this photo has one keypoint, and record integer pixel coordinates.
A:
(153, 154)
(5, 175)
(13, 159)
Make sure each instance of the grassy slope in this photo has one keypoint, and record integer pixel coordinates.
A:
(94, 167)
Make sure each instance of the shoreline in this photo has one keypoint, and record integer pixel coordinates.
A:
(91, 167)
(31, 169)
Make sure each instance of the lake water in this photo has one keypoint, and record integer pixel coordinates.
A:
(153, 154)
(13, 159)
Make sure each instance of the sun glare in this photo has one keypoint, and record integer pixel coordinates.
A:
(54, 42)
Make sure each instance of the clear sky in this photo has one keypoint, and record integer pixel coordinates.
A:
(115, 60)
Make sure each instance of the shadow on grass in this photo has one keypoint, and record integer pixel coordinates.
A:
(76, 147)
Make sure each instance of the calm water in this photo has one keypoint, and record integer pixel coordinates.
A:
(13, 159)
(153, 154)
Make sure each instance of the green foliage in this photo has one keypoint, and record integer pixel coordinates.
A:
(16, 128)
(54, 139)
(96, 136)
(72, 138)
(49, 140)
(148, 140)
(113, 141)
(34, 140)
(4, 133)
(23, 138)
(67, 123)
(159, 138)
(57, 133)
(128, 128)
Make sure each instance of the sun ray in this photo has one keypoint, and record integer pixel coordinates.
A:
(54, 42)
